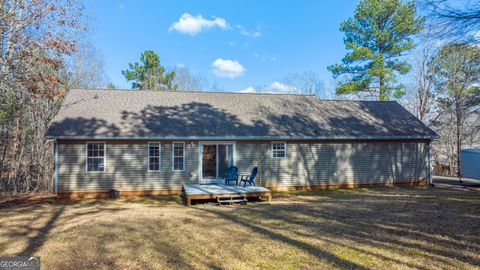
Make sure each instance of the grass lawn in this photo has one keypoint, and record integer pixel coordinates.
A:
(381, 228)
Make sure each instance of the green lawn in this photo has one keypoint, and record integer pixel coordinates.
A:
(382, 228)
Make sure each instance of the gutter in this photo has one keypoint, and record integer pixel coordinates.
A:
(55, 166)
(430, 168)
(300, 138)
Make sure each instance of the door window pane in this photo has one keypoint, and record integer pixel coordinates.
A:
(230, 154)
(209, 165)
(222, 160)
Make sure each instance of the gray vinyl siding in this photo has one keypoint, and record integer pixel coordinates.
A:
(333, 163)
(306, 163)
(126, 167)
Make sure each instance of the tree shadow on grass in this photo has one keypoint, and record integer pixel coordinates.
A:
(403, 220)
(314, 251)
(36, 242)
(28, 223)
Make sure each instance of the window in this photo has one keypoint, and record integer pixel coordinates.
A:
(279, 150)
(178, 156)
(154, 157)
(95, 157)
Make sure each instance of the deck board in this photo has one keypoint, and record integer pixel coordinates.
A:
(197, 191)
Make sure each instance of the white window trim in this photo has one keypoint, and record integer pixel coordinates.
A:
(271, 149)
(159, 156)
(104, 156)
(173, 157)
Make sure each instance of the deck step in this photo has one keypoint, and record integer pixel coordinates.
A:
(232, 199)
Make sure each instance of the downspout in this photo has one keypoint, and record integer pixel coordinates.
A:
(430, 172)
(259, 163)
(55, 167)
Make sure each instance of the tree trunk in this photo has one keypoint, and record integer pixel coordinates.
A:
(459, 147)
(381, 90)
(459, 142)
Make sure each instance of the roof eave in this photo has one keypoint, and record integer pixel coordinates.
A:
(325, 138)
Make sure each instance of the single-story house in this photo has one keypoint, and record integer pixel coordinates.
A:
(152, 142)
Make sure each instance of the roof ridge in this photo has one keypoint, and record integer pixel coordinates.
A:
(229, 93)
(192, 92)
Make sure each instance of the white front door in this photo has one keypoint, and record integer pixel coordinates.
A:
(214, 160)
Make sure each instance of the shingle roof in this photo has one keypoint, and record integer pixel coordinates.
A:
(154, 114)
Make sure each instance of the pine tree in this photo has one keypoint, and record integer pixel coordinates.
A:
(149, 73)
(377, 36)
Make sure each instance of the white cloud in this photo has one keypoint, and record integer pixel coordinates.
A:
(264, 58)
(248, 90)
(192, 25)
(227, 68)
(252, 34)
(279, 87)
(274, 88)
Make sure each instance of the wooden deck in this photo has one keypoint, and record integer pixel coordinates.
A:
(203, 192)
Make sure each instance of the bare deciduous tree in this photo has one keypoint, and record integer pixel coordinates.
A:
(85, 69)
(457, 84)
(453, 20)
(185, 80)
(35, 36)
(306, 83)
(424, 81)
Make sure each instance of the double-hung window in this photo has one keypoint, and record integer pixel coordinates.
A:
(154, 150)
(178, 153)
(96, 157)
(279, 149)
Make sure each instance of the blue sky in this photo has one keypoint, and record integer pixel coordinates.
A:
(235, 44)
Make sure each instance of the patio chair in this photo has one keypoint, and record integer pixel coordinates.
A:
(231, 175)
(250, 179)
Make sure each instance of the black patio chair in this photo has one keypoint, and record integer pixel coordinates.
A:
(231, 175)
(250, 179)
